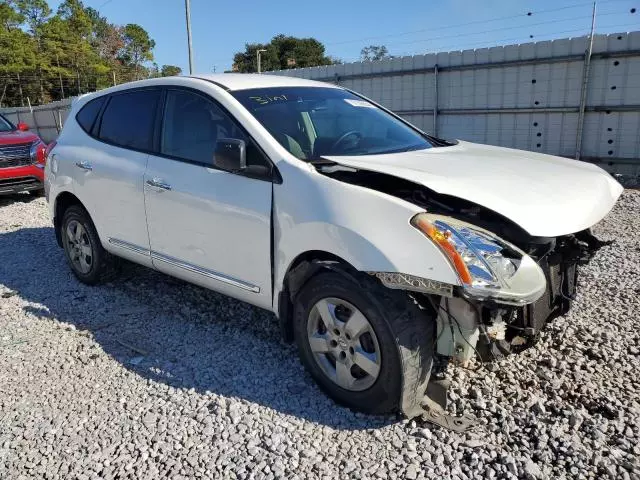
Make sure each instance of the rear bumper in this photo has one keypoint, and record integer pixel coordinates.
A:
(21, 179)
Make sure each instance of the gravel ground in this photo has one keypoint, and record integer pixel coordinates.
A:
(149, 377)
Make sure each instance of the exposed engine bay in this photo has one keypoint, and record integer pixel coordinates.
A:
(488, 329)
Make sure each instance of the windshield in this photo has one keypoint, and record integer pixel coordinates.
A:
(5, 125)
(311, 122)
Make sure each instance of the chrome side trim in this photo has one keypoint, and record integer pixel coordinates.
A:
(129, 246)
(204, 272)
(184, 265)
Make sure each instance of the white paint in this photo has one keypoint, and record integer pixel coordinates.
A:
(547, 196)
(214, 225)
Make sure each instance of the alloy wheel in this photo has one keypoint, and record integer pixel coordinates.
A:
(344, 344)
(78, 247)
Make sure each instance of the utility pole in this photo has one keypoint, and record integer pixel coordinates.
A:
(585, 84)
(258, 52)
(4, 90)
(113, 73)
(187, 6)
(20, 89)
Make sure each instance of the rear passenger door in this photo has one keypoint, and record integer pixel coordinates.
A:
(206, 225)
(109, 174)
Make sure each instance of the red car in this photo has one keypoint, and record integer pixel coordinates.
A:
(22, 158)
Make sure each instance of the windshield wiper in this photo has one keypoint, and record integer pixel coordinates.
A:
(320, 162)
(329, 166)
(440, 142)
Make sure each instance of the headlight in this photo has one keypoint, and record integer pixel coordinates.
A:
(486, 265)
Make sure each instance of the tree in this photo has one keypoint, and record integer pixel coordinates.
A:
(373, 53)
(18, 54)
(282, 52)
(35, 12)
(106, 37)
(170, 71)
(77, 18)
(47, 56)
(10, 19)
(138, 47)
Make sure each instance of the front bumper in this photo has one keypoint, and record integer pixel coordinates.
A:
(21, 179)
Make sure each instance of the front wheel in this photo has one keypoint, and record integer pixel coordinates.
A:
(370, 348)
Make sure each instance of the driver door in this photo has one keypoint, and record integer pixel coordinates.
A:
(206, 225)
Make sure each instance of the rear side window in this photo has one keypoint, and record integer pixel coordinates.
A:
(87, 115)
(128, 120)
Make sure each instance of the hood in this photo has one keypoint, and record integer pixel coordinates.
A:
(17, 136)
(545, 195)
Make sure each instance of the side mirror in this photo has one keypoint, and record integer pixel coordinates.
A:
(23, 127)
(230, 155)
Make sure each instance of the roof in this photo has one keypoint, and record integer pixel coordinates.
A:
(244, 81)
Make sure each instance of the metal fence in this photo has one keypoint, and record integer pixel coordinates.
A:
(527, 96)
(45, 120)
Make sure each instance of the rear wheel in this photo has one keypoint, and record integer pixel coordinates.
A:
(368, 347)
(88, 260)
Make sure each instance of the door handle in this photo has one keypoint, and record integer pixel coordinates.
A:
(158, 183)
(85, 166)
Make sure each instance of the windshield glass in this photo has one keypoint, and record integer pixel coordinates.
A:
(5, 125)
(311, 122)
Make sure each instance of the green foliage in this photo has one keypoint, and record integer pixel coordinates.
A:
(138, 47)
(373, 53)
(170, 71)
(282, 53)
(49, 55)
(34, 12)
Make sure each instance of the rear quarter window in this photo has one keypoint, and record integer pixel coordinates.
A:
(87, 115)
(128, 119)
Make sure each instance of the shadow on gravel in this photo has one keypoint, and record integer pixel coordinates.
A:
(16, 198)
(171, 332)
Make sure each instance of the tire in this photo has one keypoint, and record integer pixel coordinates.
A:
(97, 265)
(404, 334)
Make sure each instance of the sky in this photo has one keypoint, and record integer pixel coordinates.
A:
(408, 27)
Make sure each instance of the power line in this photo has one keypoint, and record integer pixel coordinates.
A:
(491, 31)
(104, 3)
(500, 42)
(475, 22)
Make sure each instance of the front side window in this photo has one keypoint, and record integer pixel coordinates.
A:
(128, 119)
(192, 126)
(5, 125)
(311, 122)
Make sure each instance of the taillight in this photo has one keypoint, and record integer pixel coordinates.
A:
(37, 152)
(47, 151)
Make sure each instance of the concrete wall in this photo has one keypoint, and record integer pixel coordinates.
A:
(522, 96)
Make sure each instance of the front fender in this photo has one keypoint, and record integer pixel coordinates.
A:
(368, 229)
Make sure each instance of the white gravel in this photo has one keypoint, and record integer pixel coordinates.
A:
(149, 377)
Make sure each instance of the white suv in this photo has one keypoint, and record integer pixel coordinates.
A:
(384, 252)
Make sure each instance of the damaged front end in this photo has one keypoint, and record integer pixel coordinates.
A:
(492, 326)
(511, 283)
